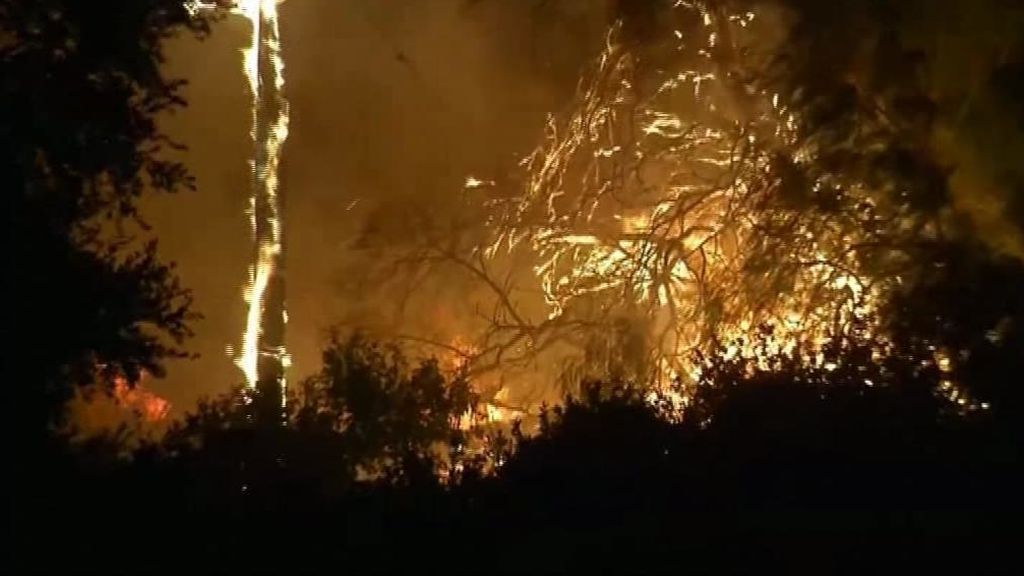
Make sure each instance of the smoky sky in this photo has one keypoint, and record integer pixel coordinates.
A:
(392, 103)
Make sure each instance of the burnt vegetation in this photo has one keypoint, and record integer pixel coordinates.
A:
(895, 443)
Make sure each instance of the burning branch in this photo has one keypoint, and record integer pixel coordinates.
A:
(681, 207)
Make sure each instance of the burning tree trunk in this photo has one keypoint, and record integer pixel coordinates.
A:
(271, 129)
(264, 358)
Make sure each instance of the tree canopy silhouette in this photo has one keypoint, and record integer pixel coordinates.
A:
(81, 89)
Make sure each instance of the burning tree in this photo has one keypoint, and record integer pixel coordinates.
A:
(697, 197)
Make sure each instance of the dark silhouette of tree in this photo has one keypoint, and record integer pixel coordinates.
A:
(369, 415)
(803, 465)
(870, 112)
(87, 298)
(385, 408)
(81, 88)
(967, 306)
(815, 466)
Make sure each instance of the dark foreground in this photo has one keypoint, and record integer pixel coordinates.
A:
(779, 479)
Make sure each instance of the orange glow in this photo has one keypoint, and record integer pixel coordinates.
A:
(656, 200)
(149, 406)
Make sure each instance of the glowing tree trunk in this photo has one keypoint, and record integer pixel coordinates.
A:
(264, 357)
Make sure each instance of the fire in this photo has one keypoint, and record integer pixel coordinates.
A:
(113, 406)
(491, 413)
(457, 359)
(149, 406)
(474, 182)
(263, 65)
(263, 13)
(659, 197)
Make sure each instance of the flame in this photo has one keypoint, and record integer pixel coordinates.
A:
(151, 407)
(457, 358)
(474, 182)
(263, 17)
(656, 199)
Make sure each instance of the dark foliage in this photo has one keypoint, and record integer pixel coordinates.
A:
(80, 90)
(969, 304)
(81, 87)
(808, 469)
(384, 408)
(369, 415)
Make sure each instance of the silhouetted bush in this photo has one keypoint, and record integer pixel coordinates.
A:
(810, 466)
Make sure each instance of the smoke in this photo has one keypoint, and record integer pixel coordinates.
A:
(970, 53)
(973, 49)
(392, 105)
(395, 103)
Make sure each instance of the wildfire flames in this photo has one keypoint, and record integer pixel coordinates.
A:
(662, 203)
(149, 406)
(662, 197)
(266, 223)
(263, 65)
